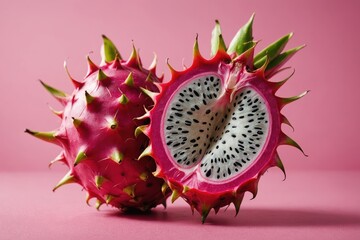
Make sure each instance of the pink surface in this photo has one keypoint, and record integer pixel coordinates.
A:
(308, 205)
(36, 36)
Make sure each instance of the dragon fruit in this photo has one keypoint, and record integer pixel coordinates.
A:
(97, 133)
(215, 126)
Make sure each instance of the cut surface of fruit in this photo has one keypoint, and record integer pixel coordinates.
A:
(216, 125)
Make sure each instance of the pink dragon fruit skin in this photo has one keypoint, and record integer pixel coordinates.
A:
(215, 126)
(97, 133)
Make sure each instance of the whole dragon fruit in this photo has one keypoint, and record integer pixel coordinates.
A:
(215, 126)
(97, 133)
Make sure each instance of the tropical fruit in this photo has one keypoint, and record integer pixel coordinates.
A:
(215, 126)
(97, 132)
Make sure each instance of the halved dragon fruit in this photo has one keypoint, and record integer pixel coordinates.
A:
(97, 133)
(216, 126)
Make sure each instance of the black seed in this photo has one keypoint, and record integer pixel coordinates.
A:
(196, 121)
(169, 143)
(178, 114)
(189, 112)
(243, 135)
(176, 109)
(229, 171)
(196, 93)
(185, 131)
(176, 145)
(233, 135)
(169, 127)
(208, 111)
(181, 94)
(208, 173)
(201, 130)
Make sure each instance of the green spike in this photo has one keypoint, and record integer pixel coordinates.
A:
(274, 49)
(57, 94)
(243, 38)
(277, 85)
(185, 189)
(99, 180)
(76, 83)
(280, 165)
(283, 57)
(259, 63)
(67, 179)
(81, 156)
(89, 98)
(57, 113)
(196, 51)
(87, 198)
(129, 80)
(76, 122)
(143, 176)
(91, 66)
(130, 190)
(237, 202)
(117, 156)
(164, 187)
(59, 158)
(123, 99)
(175, 195)
(98, 204)
(112, 123)
(149, 93)
(217, 41)
(285, 101)
(146, 152)
(101, 75)
(152, 67)
(286, 121)
(108, 50)
(286, 140)
(46, 136)
(204, 213)
(109, 198)
(141, 129)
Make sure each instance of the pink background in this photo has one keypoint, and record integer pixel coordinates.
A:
(38, 35)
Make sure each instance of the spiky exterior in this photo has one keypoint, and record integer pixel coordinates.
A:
(256, 72)
(97, 133)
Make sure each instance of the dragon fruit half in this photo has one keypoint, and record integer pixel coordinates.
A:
(97, 133)
(215, 126)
